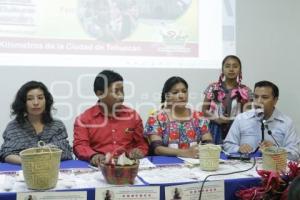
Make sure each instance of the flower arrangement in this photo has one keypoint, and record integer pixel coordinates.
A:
(274, 185)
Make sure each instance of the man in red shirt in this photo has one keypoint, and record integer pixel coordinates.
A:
(108, 126)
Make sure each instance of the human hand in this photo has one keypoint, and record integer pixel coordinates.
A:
(97, 159)
(136, 154)
(192, 152)
(207, 138)
(245, 148)
(265, 144)
(14, 159)
(223, 119)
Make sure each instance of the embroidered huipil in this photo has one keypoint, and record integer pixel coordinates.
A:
(177, 134)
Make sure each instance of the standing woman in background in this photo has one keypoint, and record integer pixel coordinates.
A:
(176, 130)
(33, 122)
(226, 98)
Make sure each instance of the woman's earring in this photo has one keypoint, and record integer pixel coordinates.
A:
(239, 78)
(221, 77)
(165, 104)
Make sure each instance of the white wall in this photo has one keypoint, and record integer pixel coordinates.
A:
(267, 42)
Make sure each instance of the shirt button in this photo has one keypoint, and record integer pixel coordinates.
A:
(115, 142)
(113, 130)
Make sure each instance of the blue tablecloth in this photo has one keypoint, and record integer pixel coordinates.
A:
(231, 185)
(63, 165)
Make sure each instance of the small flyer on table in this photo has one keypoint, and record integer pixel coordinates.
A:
(80, 195)
(211, 190)
(128, 193)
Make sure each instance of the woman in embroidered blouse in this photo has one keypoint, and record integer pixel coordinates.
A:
(33, 122)
(226, 98)
(175, 130)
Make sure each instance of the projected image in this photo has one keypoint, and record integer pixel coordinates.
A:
(162, 9)
(114, 20)
(108, 20)
(120, 33)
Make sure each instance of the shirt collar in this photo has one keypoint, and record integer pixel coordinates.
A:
(250, 114)
(98, 110)
(276, 115)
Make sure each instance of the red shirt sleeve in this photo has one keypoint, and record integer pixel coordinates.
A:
(139, 138)
(81, 144)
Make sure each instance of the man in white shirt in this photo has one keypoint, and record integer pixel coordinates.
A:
(245, 133)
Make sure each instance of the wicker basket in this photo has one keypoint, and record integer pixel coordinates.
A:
(209, 155)
(40, 167)
(119, 175)
(274, 159)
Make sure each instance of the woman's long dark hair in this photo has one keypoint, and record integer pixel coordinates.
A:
(168, 86)
(18, 107)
